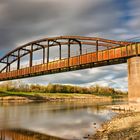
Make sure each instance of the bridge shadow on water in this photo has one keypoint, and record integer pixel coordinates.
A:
(22, 134)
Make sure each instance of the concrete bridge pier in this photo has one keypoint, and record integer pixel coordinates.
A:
(134, 79)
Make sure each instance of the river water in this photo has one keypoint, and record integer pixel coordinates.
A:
(68, 120)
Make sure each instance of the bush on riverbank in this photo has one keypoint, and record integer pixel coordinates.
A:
(56, 88)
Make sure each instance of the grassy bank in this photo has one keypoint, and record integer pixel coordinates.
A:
(112, 95)
(22, 91)
(9, 96)
(37, 94)
(31, 96)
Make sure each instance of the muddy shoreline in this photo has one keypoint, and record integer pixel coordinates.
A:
(20, 99)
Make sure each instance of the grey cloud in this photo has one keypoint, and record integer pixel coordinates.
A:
(22, 21)
(134, 22)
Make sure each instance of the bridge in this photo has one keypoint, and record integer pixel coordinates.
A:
(80, 53)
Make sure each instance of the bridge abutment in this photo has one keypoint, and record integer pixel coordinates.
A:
(134, 79)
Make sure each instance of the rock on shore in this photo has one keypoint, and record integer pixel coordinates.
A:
(125, 126)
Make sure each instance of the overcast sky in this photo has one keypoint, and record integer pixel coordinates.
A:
(22, 21)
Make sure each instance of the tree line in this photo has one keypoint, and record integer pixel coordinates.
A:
(18, 86)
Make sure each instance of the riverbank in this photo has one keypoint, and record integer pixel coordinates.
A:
(124, 126)
(56, 92)
(48, 97)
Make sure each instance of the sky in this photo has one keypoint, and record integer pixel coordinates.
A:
(28, 20)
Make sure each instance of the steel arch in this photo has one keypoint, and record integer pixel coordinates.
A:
(33, 46)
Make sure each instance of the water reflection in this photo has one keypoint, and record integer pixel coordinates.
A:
(73, 120)
(20, 134)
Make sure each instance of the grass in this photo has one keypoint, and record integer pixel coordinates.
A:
(57, 91)
(112, 95)
(36, 95)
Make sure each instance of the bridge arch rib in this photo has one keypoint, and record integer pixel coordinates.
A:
(46, 43)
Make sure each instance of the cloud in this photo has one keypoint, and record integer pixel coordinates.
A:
(134, 23)
(114, 76)
(23, 21)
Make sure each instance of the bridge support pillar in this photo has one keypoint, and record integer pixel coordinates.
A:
(134, 79)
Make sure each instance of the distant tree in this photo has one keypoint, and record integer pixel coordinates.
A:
(57, 88)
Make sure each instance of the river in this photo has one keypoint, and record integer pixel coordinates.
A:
(66, 120)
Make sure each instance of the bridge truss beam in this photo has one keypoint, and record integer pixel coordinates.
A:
(29, 48)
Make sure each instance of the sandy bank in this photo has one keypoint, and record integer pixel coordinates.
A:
(51, 98)
(125, 126)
